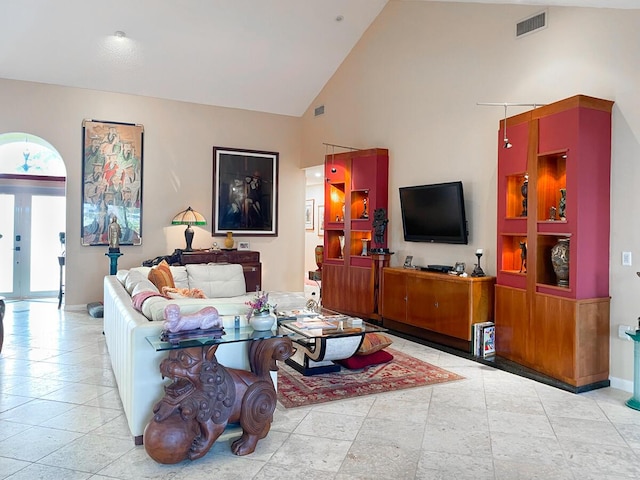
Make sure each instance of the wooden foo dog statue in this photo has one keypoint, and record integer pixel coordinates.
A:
(205, 397)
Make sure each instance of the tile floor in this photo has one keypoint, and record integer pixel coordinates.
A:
(60, 418)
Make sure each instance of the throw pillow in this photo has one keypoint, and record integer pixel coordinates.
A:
(182, 292)
(360, 361)
(373, 342)
(160, 276)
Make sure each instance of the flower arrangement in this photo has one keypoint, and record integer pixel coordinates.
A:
(260, 303)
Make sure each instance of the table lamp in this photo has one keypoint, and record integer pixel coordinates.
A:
(188, 217)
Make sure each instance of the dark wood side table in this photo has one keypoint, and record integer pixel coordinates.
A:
(249, 260)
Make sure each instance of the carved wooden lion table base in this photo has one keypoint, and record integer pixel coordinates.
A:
(205, 397)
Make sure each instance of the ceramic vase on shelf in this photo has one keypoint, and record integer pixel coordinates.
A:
(341, 239)
(319, 251)
(261, 321)
(560, 261)
(365, 249)
(228, 242)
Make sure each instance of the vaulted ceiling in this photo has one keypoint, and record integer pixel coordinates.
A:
(265, 55)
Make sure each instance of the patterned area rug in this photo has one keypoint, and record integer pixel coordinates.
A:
(296, 390)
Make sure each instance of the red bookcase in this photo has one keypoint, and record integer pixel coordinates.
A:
(356, 185)
(560, 328)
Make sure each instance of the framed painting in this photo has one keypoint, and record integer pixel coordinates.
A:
(245, 192)
(320, 219)
(111, 181)
(308, 214)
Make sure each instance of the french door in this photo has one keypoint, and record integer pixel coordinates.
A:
(32, 216)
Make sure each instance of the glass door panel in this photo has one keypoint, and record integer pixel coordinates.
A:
(7, 207)
(47, 221)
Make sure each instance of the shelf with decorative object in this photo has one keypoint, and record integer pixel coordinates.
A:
(514, 254)
(555, 317)
(551, 181)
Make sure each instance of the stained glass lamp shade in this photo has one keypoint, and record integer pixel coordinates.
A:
(188, 217)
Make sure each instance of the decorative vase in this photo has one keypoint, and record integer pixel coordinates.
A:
(341, 239)
(319, 256)
(560, 261)
(262, 320)
(365, 250)
(228, 242)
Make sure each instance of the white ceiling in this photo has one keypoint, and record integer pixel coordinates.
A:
(265, 55)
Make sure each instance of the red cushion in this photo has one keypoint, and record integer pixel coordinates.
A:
(360, 361)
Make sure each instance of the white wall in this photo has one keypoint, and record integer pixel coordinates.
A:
(177, 172)
(412, 85)
(312, 239)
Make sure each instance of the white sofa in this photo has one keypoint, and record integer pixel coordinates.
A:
(135, 362)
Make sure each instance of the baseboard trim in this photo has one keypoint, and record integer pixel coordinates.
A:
(621, 384)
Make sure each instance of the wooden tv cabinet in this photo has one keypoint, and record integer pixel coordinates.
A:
(249, 260)
(436, 306)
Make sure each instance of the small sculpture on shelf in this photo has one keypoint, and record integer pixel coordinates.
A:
(562, 205)
(524, 190)
(365, 213)
(523, 257)
(552, 214)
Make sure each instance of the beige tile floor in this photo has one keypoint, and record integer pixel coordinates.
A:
(60, 417)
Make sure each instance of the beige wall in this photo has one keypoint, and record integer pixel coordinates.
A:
(412, 84)
(177, 170)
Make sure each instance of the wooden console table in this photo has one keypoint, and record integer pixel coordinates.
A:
(249, 260)
(205, 396)
(436, 306)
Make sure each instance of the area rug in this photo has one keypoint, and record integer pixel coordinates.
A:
(404, 371)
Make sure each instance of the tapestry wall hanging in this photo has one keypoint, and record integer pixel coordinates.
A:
(245, 192)
(112, 181)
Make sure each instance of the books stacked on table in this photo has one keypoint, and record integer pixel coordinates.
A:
(484, 339)
(291, 314)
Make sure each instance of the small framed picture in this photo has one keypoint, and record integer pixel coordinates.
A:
(407, 261)
(320, 220)
(243, 245)
(308, 215)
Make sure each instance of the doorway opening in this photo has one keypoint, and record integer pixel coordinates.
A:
(33, 213)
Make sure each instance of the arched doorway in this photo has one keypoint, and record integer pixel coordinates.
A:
(32, 216)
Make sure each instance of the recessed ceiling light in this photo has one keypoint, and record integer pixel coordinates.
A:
(339, 18)
(120, 34)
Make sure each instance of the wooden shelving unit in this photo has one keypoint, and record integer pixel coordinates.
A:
(357, 187)
(563, 151)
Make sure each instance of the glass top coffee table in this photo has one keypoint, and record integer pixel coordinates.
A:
(320, 339)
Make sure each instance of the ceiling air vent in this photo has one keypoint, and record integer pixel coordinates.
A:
(318, 111)
(531, 24)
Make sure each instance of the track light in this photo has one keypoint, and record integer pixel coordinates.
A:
(504, 136)
(505, 139)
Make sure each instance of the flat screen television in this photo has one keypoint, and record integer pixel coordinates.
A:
(434, 213)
